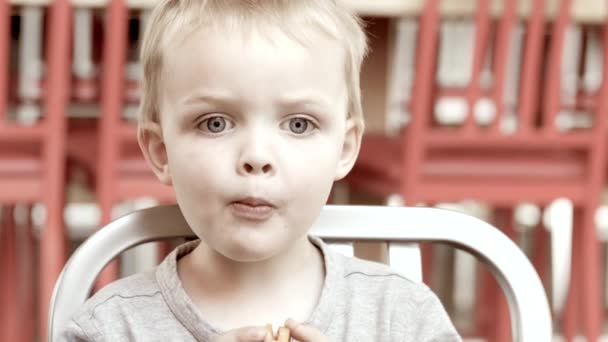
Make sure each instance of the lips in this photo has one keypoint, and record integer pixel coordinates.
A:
(254, 202)
(252, 208)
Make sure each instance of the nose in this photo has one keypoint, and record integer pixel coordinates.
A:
(256, 159)
(256, 168)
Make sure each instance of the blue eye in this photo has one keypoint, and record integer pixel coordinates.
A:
(215, 124)
(298, 125)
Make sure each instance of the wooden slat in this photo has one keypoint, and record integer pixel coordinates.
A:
(531, 66)
(5, 29)
(578, 139)
(552, 83)
(52, 239)
(426, 53)
(482, 32)
(20, 166)
(372, 251)
(501, 55)
(22, 189)
(501, 194)
(16, 133)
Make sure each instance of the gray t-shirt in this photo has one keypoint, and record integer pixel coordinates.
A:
(360, 301)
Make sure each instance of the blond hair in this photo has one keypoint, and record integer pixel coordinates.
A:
(176, 19)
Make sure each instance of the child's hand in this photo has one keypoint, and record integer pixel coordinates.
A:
(304, 333)
(246, 334)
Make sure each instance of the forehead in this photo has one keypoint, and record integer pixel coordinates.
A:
(253, 66)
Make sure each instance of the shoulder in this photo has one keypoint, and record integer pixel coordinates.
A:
(137, 306)
(371, 281)
(120, 304)
(136, 287)
(380, 277)
(381, 280)
(412, 307)
(354, 266)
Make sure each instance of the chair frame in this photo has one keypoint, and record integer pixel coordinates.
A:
(528, 305)
(117, 178)
(435, 164)
(38, 176)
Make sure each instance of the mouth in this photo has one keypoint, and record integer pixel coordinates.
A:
(252, 208)
(255, 202)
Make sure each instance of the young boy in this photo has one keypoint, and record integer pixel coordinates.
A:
(251, 110)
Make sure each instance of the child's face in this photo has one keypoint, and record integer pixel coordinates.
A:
(247, 121)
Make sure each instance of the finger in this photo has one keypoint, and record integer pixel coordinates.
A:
(303, 332)
(246, 334)
(268, 337)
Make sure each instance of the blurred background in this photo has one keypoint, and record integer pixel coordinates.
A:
(494, 108)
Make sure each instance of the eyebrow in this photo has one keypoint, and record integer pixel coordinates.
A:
(305, 100)
(212, 97)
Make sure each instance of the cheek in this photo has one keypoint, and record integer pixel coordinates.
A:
(192, 161)
(197, 184)
(309, 194)
(197, 175)
(310, 176)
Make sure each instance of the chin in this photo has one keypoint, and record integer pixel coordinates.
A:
(252, 249)
(242, 253)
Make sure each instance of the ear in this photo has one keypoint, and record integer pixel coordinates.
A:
(151, 143)
(350, 149)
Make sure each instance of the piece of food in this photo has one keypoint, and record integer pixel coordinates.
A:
(283, 334)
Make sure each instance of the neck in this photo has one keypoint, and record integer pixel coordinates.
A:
(231, 276)
(232, 294)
